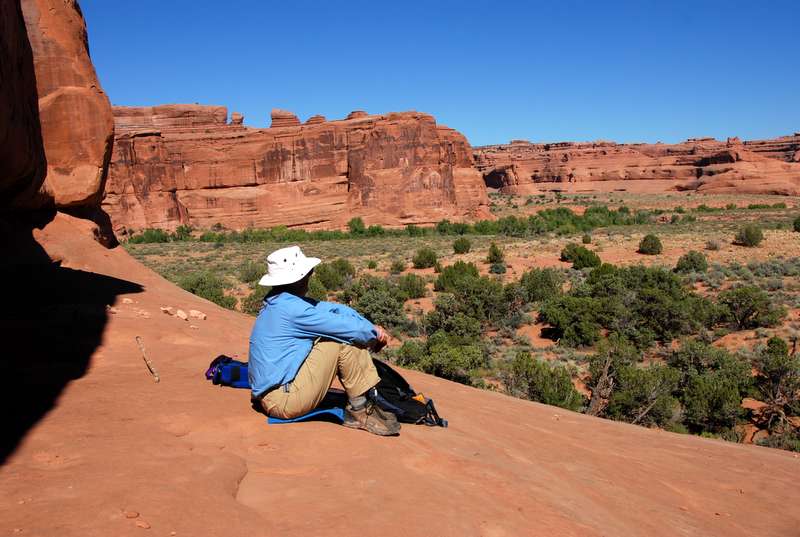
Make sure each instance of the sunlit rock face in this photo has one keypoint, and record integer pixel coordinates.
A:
(702, 164)
(185, 164)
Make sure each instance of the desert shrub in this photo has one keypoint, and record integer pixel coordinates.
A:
(424, 258)
(650, 245)
(574, 320)
(448, 317)
(397, 266)
(711, 386)
(778, 382)
(356, 226)
(613, 354)
(182, 233)
(375, 231)
(643, 395)
(316, 290)
(251, 271)
(461, 245)
(372, 264)
(796, 224)
(713, 245)
(730, 206)
(579, 256)
(497, 268)
(252, 303)
(586, 239)
(542, 382)
(410, 352)
(642, 304)
(495, 255)
(378, 300)
(414, 231)
(149, 235)
(451, 275)
(789, 440)
(694, 358)
(692, 261)
(482, 298)
(412, 286)
(336, 274)
(209, 286)
(541, 284)
(750, 307)
(442, 357)
(750, 235)
(712, 403)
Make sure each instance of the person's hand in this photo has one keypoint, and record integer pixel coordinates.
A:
(383, 335)
(381, 340)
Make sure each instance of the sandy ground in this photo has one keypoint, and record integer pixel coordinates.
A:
(122, 455)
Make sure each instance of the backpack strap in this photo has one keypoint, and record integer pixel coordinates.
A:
(432, 417)
(384, 403)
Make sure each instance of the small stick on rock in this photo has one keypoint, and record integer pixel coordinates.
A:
(147, 361)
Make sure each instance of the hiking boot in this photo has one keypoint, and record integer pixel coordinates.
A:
(371, 418)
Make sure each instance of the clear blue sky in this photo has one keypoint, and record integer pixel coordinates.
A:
(496, 71)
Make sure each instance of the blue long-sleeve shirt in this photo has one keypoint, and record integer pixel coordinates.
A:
(285, 331)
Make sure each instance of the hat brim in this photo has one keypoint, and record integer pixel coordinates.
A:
(271, 280)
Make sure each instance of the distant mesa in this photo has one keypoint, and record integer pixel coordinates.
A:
(357, 114)
(237, 118)
(701, 164)
(283, 118)
(315, 120)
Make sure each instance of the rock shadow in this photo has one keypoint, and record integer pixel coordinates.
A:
(52, 320)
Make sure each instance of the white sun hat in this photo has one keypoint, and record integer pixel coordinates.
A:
(287, 265)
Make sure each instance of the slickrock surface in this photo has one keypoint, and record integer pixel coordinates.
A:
(702, 164)
(193, 458)
(76, 122)
(183, 164)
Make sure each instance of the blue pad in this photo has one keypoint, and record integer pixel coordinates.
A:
(318, 414)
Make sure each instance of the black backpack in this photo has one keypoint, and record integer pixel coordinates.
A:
(396, 396)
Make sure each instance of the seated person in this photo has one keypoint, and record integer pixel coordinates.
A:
(298, 345)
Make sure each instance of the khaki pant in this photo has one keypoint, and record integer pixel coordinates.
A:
(326, 360)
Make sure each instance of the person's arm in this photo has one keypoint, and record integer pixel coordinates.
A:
(336, 321)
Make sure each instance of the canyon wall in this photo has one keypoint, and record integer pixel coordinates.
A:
(185, 164)
(701, 164)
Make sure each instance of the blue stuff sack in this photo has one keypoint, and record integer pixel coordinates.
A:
(225, 371)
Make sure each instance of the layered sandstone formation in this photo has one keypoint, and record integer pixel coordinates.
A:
(183, 164)
(283, 118)
(702, 164)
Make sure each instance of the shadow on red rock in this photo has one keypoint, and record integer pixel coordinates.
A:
(52, 319)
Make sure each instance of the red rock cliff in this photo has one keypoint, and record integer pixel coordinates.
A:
(703, 164)
(183, 164)
(76, 122)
